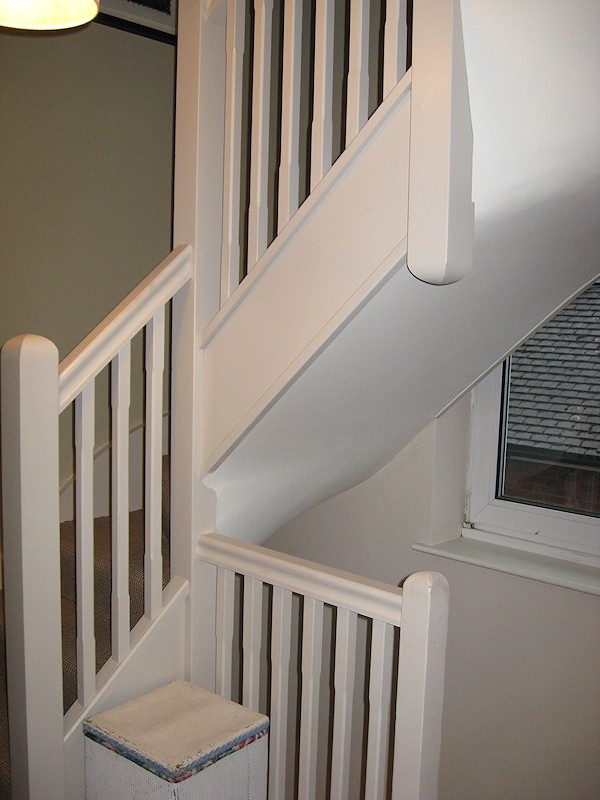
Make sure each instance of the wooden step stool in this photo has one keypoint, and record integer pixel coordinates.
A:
(177, 742)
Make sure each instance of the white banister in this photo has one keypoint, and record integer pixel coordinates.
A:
(224, 631)
(440, 210)
(322, 123)
(357, 102)
(31, 556)
(232, 176)
(258, 212)
(421, 665)
(344, 677)
(84, 531)
(394, 46)
(121, 325)
(312, 657)
(342, 589)
(120, 400)
(155, 360)
(289, 169)
(380, 683)
(251, 642)
(405, 659)
(280, 660)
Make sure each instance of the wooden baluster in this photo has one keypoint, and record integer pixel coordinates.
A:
(289, 169)
(312, 656)
(84, 533)
(322, 124)
(251, 642)
(358, 69)
(230, 253)
(345, 657)
(380, 684)
(120, 399)
(155, 358)
(395, 43)
(280, 660)
(258, 212)
(225, 620)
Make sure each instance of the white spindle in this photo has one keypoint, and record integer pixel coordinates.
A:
(120, 398)
(380, 682)
(289, 170)
(258, 212)
(358, 69)
(31, 555)
(420, 694)
(84, 531)
(345, 656)
(312, 651)
(322, 124)
(251, 642)
(230, 253)
(155, 359)
(225, 621)
(280, 659)
(394, 45)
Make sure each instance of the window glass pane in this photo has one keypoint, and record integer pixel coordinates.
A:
(550, 442)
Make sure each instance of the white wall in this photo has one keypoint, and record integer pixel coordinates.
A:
(522, 703)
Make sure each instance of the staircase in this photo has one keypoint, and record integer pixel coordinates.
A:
(374, 295)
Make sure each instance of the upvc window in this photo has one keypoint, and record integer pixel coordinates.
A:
(534, 481)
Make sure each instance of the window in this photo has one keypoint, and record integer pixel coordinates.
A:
(535, 442)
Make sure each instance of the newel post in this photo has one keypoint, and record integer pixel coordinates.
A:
(29, 410)
(421, 667)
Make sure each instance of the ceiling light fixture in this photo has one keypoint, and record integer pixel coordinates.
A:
(46, 15)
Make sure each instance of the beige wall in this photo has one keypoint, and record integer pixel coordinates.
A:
(522, 702)
(85, 159)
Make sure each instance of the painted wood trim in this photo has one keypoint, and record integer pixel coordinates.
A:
(258, 213)
(322, 125)
(84, 535)
(312, 657)
(289, 167)
(420, 694)
(155, 360)
(440, 210)
(280, 665)
(121, 325)
(31, 552)
(342, 589)
(120, 401)
(230, 253)
(344, 678)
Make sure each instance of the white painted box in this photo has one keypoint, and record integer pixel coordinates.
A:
(178, 742)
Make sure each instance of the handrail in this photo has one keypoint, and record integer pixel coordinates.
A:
(333, 586)
(122, 324)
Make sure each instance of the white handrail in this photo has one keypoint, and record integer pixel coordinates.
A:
(333, 586)
(406, 645)
(121, 325)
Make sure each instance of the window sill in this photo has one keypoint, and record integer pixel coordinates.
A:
(581, 577)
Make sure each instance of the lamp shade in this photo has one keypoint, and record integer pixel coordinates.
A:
(46, 15)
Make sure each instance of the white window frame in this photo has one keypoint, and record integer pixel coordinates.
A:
(558, 534)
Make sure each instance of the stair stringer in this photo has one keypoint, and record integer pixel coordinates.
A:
(346, 240)
(157, 657)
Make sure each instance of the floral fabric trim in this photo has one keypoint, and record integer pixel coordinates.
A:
(185, 770)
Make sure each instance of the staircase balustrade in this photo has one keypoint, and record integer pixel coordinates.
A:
(35, 390)
(332, 639)
(311, 79)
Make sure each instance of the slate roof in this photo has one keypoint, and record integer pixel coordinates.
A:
(555, 384)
